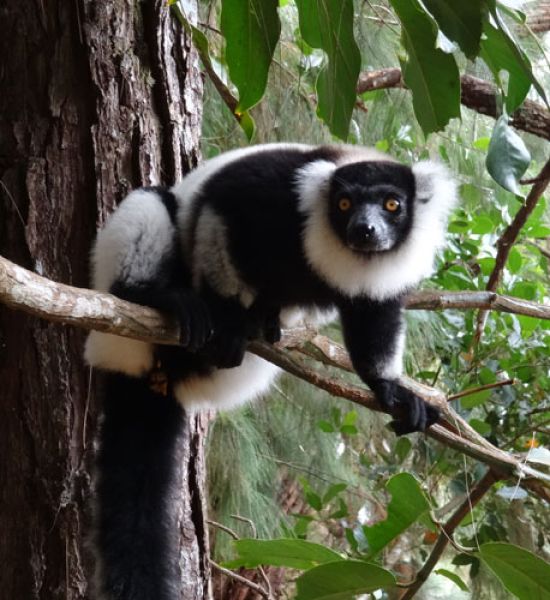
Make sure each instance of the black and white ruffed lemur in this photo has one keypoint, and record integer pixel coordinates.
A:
(252, 240)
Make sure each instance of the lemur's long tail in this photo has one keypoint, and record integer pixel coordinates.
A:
(135, 533)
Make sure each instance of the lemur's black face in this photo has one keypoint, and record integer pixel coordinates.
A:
(371, 205)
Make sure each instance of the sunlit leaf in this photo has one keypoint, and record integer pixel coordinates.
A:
(201, 44)
(475, 399)
(523, 573)
(342, 580)
(251, 29)
(461, 22)
(454, 578)
(500, 53)
(430, 73)
(333, 491)
(328, 25)
(297, 554)
(408, 503)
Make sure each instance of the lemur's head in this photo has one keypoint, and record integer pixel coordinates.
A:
(371, 205)
(371, 225)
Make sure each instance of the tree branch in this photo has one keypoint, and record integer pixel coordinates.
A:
(508, 239)
(476, 94)
(477, 493)
(23, 290)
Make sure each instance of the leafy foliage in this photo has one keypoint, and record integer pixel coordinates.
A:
(252, 29)
(328, 25)
(431, 74)
(328, 466)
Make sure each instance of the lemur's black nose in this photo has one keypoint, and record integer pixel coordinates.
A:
(361, 232)
(366, 230)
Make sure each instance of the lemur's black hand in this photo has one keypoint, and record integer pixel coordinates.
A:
(183, 304)
(410, 412)
(196, 327)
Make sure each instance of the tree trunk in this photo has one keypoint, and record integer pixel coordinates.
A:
(96, 98)
(538, 16)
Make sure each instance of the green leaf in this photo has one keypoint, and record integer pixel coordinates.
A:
(333, 491)
(408, 503)
(341, 512)
(480, 426)
(454, 578)
(482, 225)
(200, 42)
(431, 74)
(402, 448)
(476, 399)
(349, 429)
(314, 500)
(461, 22)
(500, 53)
(459, 226)
(342, 580)
(325, 426)
(486, 376)
(350, 418)
(522, 573)
(508, 156)
(296, 554)
(515, 260)
(486, 264)
(525, 290)
(328, 25)
(482, 143)
(251, 29)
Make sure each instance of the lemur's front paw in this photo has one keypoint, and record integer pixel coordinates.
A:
(196, 327)
(411, 413)
(227, 347)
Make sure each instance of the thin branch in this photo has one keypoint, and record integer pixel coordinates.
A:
(508, 239)
(443, 300)
(481, 388)
(476, 94)
(477, 493)
(232, 575)
(224, 528)
(24, 290)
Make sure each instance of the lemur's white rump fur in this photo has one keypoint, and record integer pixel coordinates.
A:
(388, 274)
(135, 240)
(227, 388)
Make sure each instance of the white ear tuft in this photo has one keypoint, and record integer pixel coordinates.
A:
(312, 182)
(435, 186)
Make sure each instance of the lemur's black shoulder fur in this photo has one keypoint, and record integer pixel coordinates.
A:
(250, 241)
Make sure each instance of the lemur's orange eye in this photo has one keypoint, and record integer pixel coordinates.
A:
(344, 204)
(391, 204)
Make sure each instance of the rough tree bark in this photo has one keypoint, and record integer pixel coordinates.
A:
(96, 98)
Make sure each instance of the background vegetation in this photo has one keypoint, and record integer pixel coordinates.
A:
(298, 464)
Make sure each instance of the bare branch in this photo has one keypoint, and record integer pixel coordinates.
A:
(477, 493)
(34, 294)
(482, 388)
(443, 300)
(232, 575)
(476, 94)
